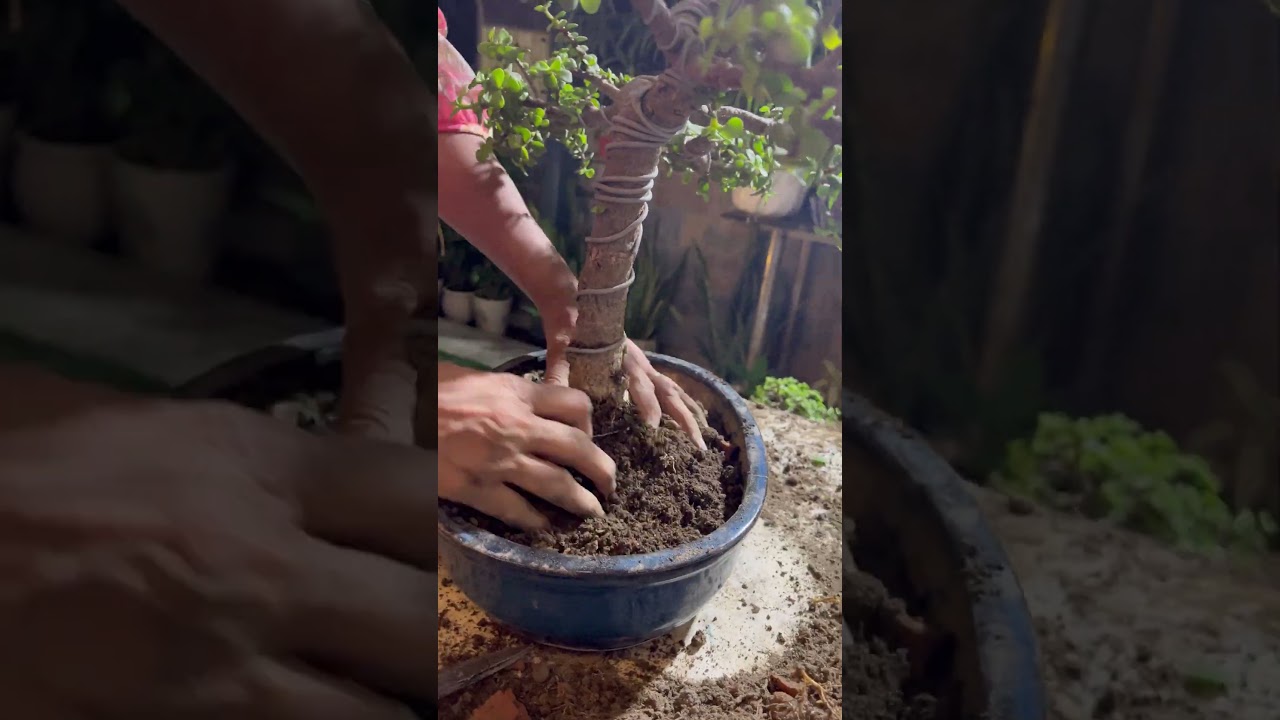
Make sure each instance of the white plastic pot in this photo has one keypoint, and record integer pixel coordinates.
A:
(492, 315)
(650, 345)
(168, 219)
(60, 189)
(784, 198)
(456, 305)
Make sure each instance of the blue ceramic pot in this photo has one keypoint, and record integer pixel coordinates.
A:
(606, 603)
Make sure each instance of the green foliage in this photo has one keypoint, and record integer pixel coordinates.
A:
(796, 397)
(491, 283)
(619, 39)
(458, 266)
(649, 301)
(1109, 468)
(529, 104)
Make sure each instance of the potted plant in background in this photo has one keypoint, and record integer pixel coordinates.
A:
(493, 297)
(649, 306)
(457, 299)
(171, 167)
(64, 131)
(786, 194)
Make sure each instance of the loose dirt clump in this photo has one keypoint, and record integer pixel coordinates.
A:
(884, 650)
(669, 492)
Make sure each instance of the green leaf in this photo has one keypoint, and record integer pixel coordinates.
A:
(705, 27)
(498, 76)
(590, 7)
(570, 4)
(830, 38)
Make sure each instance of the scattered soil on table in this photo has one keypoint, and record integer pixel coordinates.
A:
(800, 680)
(669, 492)
(1130, 629)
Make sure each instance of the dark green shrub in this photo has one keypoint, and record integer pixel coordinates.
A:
(1109, 468)
(793, 396)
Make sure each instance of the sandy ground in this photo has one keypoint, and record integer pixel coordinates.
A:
(1131, 630)
(779, 612)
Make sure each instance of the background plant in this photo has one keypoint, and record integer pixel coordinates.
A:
(1108, 467)
(726, 341)
(458, 266)
(491, 283)
(794, 396)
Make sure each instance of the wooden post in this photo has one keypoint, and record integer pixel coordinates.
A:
(1063, 26)
(1142, 119)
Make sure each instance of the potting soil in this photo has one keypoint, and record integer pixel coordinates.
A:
(885, 651)
(669, 492)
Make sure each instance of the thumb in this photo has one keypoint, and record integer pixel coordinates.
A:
(379, 383)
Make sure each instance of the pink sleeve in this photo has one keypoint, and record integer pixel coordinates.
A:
(453, 78)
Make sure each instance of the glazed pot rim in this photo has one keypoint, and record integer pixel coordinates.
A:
(670, 561)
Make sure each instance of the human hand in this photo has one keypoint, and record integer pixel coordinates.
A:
(174, 561)
(654, 393)
(498, 430)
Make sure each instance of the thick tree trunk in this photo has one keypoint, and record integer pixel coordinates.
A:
(609, 264)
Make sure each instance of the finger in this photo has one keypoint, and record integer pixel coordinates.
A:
(555, 485)
(695, 406)
(501, 502)
(272, 690)
(376, 496)
(672, 401)
(641, 390)
(572, 448)
(379, 383)
(366, 617)
(557, 372)
(566, 405)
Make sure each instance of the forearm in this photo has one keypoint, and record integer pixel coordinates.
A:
(326, 83)
(480, 201)
(323, 80)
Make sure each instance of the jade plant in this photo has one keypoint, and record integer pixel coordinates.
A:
(746, 82)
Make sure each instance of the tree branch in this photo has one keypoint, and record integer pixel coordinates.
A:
(662, 24)
(752, 123)
(826, 73)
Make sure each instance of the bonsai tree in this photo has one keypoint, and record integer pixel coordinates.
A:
(743, 80)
